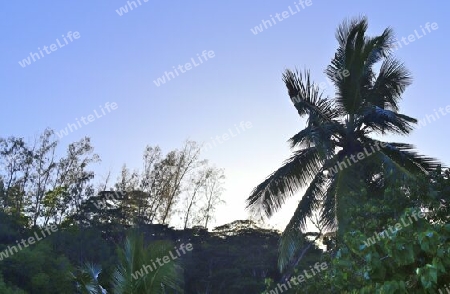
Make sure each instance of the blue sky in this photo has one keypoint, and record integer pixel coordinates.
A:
(117, 58)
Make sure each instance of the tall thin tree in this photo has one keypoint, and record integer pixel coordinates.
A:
(366, 103)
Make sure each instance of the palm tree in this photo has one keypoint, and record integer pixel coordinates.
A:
(157, 280)
(366, 102)
(137, 272)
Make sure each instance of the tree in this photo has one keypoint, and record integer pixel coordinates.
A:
(37, 184)
(366, 103)
(161, 182)
(132, 275)
(71, 183)
(43, 168)
(180, 163)
(212, 190)
(192, 195)
(203, 195)
(15, 158)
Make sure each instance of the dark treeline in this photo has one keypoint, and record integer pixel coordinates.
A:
(234, 258)
(94, 220)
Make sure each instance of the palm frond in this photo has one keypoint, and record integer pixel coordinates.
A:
(295, 173)
(87, 278)
(328, 210)
(351, 38)
(377, 48)
(307, 97)
(389, 85)
(405, 158)
(348, 28)
(384, 120)
(292, 237)
(323, 136)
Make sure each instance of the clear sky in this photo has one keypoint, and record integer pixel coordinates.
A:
(116, 58)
